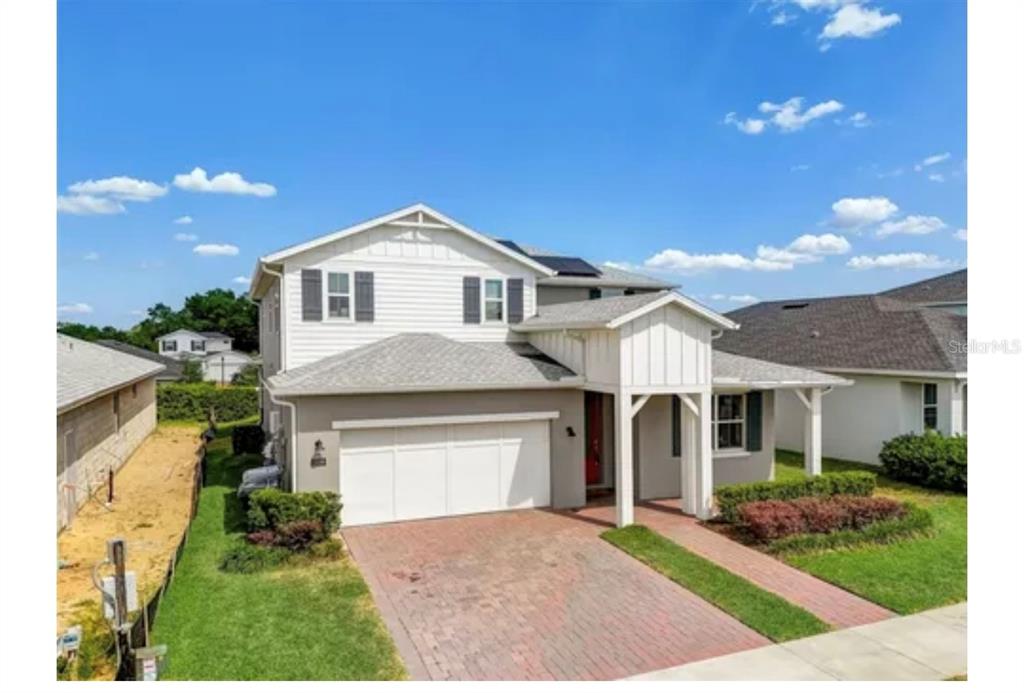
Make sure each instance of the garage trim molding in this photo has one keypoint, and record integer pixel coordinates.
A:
(360, 424)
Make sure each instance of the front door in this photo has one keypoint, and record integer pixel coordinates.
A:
(594, 425)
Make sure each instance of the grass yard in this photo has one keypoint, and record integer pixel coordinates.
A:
(768, 614)
(315, 622)
(909, 576)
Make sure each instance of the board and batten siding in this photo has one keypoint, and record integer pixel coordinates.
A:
(418, 287)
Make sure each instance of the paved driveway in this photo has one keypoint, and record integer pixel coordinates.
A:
(532, 595)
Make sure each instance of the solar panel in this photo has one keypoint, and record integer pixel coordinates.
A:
(568, 266)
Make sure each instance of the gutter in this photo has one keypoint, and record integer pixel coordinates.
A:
(293, 439)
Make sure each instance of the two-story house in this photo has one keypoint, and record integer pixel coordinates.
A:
(219, 361)
(424, 369)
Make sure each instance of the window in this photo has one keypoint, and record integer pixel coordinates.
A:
(339, 295)
(931, 406)
(594, 294)
(198, 345)
(494, 300)
(727, 421)
(168, 345)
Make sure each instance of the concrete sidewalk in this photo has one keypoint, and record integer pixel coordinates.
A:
(929, 646)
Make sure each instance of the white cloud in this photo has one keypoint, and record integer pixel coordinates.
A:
(854, 212)
(858, 120)
(913, 224)
(75, 308)
(805, 249)
(782, 18)
(87, 204)
(960, 235)
(750, 126)
(240, 280)
(736, 298)
(121, 188)
(227, 182)
(856, 21)
(898, 261)
(789, 117)
(183, 220)
(891, 173)
(799, 167)
(91, 256)
(186, 237)
(215, 249)
(825, 244)
(931, 160)
(936, 178)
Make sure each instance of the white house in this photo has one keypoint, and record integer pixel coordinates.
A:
(908, 361)
(219, 361)
(424, 369)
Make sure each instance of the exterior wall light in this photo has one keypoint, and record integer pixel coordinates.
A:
(319, 459)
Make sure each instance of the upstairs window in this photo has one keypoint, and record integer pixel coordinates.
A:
(169, 345)
(339, 295)
(931, 406)
(494, 300)
(198, 345)
(727, 421)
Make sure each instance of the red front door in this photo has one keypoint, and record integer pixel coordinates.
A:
(594, 432)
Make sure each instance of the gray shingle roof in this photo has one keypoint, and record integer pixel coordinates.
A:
(86, 371)
(593, 313)
(611, 277)
(425, 362)
(862, 332)
(172, 367)
(728, 369)
(946, 288)
(215, 335)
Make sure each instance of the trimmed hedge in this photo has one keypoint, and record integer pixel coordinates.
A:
(829, 484)
(774, 519)
(931, 459)
(272, 509)
(915, 520)
(193, 401)
(247, 439)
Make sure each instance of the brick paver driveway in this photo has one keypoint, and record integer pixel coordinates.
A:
(532, 595)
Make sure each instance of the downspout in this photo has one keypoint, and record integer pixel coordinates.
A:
(293, 438)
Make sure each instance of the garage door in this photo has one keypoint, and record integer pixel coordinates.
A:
(411, 472)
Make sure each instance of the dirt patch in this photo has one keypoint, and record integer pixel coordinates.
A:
(152, 503)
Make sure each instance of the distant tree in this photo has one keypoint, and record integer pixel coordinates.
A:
(192, 371)
(247, 375)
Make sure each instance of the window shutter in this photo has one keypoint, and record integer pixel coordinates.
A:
(471, 300)
(312, 295)
(677, 434)
(364, 296)
(754, 406)
(515, 300)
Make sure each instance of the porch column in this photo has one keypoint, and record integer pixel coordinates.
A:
(812, 432)
(704, 463)
(623, 458)
(689, 422)
(956, 408)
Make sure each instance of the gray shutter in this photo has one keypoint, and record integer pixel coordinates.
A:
(677, 434)
(471, 300)
(364, 296)
(515, 300)
(312, 295)
(754, 406)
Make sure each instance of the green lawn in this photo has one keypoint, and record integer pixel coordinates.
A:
(767, 613)
(315, 622)
(908, 576)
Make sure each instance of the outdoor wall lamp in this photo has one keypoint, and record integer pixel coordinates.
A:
(319, 459)
(571, 433)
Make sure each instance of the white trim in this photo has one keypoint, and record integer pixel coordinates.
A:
(350, 295)
(776, 385)
(455, 419)
(731, 452)
(945, 375)
(679, 299)
(639, 404)
(571, 382)
(484, 301)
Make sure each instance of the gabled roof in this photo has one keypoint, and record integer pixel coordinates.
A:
(577, 271)
(946, 288)
(86, 371)
(613, 312)
(215, 335)
(870, 333)
(172, 367)
(743, 371)
(418, 362)
(397, 217)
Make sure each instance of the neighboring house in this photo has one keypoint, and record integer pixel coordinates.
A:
(172, 367)
(908, 362)
(106, 406)
(947, 292)
(423, 369)
(219, 361)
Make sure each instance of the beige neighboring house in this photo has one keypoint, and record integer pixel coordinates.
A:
(106, 406)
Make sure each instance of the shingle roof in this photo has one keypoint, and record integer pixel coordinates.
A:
(611, 277)
(601, 312)
(425, 362)
(729, 369)
(861, 332)
(946, 288)
(172, 367)
(86, 371)
(215, 335)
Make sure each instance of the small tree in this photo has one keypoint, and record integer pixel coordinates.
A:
(248, 375)
(192, 371)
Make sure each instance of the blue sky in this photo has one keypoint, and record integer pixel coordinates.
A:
(594, 129)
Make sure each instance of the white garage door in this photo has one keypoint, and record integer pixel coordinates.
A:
(405, 473)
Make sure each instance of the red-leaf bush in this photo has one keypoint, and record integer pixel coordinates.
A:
(263, 537)
(300, 535)
(773, 519)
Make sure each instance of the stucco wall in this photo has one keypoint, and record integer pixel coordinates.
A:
(89, 445)
(316, 414)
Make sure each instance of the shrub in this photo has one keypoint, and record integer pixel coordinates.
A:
(191, 371)
(774, 519)
(247, 439)
(263, 537)
(771, 519)
(247, 375)
(913, 521)
(327, 550)
(300, 535)
(931, 459)
(193, 401)
(252, 558)
(829, 484)
(271, 508)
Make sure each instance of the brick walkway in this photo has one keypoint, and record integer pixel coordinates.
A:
(828, 602)
(532, 595)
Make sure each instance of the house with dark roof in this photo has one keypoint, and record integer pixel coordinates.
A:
(213, 350)
(907, 358)
(424, 369)
(172, 371)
